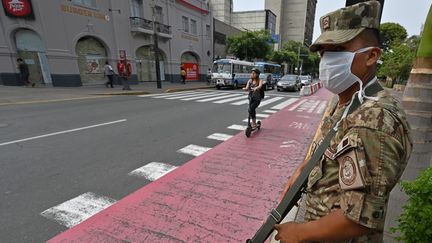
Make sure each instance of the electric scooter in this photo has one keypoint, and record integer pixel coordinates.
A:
(249, 128)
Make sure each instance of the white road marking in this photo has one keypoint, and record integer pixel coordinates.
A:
(321, 107)
(262, 115)
(218, 98)
(237, 127)
(220, 136)
(269, 101)
(298, 104)
(284, 104)
(313, 106)
(270, 111)
(204, 96)
(187, 96)
(76, 210)
(165, 95)
(62, 132)
(153, 170)
(194, 150)
(231, 99)
(246, 101)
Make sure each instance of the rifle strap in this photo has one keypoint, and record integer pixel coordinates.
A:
(277, 215)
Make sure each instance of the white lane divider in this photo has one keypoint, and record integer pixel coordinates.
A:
(203, 96)
(242, 102)
(220, 136)
(284, 104)
(269, 101)
(153, 170)
(218, 98)
(270, 111)
(187, 96)
(237, 127)
(63, 132)
(165, 95)
(231, 99)
(194, 150)
(76, 210)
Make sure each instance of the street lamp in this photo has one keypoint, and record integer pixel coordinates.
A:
(155, 46)
(299, 68)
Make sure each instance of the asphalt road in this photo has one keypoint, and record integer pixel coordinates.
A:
(52, 152)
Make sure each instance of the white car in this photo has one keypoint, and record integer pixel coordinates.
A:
(305, 80)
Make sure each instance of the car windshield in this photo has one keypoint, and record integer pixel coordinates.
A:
(304, 77)
(288, 78)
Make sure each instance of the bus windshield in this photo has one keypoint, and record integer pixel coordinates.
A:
(222, 68)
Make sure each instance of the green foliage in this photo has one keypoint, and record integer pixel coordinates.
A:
(416, 220)
(293, 53)
(250, 45)
(397, 63)
(392, 34)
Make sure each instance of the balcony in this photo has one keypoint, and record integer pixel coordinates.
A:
(145, 26)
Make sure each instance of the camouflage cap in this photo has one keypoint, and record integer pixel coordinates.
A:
(344, 24)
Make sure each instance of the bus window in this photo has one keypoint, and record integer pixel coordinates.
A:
(221, 68)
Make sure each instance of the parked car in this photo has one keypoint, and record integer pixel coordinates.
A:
(305, 80)
(289, 82)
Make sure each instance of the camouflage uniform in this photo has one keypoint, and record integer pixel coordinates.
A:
(363, 163)
(371, 147)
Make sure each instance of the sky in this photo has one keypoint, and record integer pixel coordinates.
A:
(411, 14)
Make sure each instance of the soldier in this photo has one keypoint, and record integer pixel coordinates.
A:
(348, 191)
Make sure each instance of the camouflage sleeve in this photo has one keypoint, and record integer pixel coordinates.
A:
(368, 170)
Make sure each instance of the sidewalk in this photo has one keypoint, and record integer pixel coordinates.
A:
(220, 196)
(22, 95)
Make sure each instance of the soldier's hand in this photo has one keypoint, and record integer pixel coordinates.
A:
(287, 232)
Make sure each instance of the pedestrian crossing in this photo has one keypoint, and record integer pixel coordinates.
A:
(82, 207)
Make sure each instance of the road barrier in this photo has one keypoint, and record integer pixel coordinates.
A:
(310, 89)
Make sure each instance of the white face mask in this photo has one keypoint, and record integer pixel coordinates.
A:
(335, 70)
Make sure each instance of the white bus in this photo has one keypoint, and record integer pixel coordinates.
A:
(231, 73)
(270, 73)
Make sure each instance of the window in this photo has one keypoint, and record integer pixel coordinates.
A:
(185, 22)
(158, 14)
(86, 3)
(193, 26)
(208, 31)
(136, 7)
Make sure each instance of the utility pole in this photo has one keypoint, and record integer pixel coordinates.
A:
(156, 46)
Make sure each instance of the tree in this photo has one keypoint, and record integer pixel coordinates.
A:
(250, 45)
(397, 63)
(392, 34)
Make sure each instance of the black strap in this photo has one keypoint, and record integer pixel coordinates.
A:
(294, 193)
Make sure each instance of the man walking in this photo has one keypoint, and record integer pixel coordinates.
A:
(109, 72)
(348, 190)
(24, 73)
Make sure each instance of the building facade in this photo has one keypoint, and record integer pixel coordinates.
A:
(295, 19)
(67, 42)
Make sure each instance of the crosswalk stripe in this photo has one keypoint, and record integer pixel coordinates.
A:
(194, 150)
(229, 100)
(220, 136)
(237, 127)
(298, 104)
(246, 101)
(218, 97)
(270, 111)
(174, 94)
(153, 170)
(269, 101)
(78, 209)
(203, 96)
(262, 115)
(321, 107)
(187, 96)
(313, 106)
(284, 104)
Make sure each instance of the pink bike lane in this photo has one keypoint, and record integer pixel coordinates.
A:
(220, 196)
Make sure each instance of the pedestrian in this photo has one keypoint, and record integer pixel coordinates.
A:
(109, 72)
(124, 70)
(209, 76)
(183, 75)
(254, 86)
(348, 190)
(24, 72)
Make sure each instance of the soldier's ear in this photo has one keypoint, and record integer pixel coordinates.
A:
(373, 56)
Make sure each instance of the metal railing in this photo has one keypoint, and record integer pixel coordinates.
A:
(138, 22)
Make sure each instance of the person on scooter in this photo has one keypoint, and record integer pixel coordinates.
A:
(254, 86)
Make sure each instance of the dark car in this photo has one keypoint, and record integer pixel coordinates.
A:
(289, 82)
